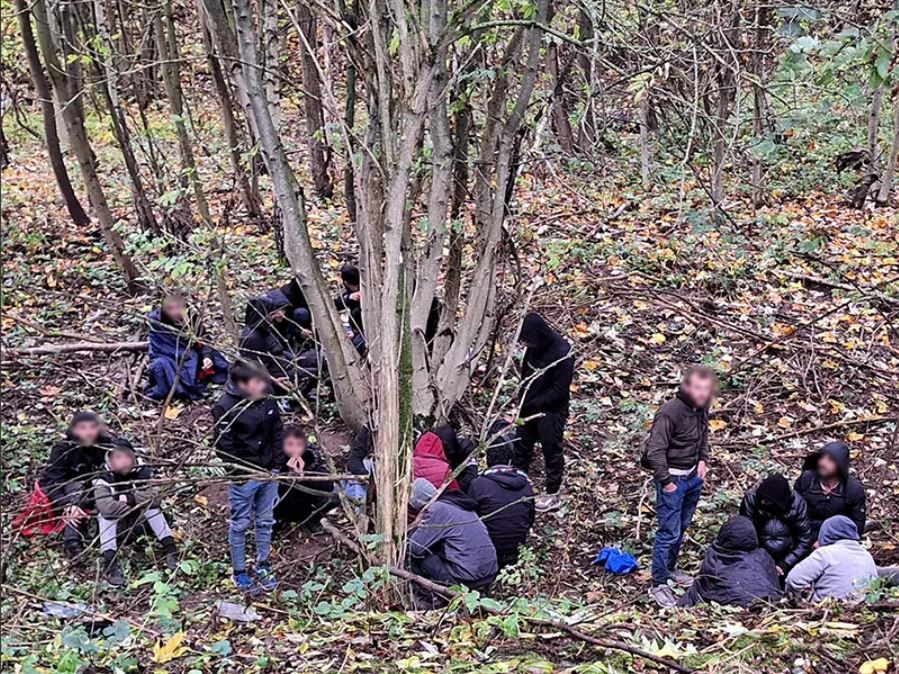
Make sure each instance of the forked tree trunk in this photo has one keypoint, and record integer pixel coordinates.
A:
(51, 136)
(319, 149)
(82, 149)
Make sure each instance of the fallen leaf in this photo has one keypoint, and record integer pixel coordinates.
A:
(170, 650)
(172, 412)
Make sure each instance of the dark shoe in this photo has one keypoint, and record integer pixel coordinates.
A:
(74, 552)
(266, 577)
(246, 584)
(314, 527)
(112, 572)
(170, 556)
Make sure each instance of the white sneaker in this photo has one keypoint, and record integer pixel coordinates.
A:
(663, 595)
(547, 502)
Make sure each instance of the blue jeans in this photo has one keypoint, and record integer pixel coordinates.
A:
(675, 513)
(251, 500)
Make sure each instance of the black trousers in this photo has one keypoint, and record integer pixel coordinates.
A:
(549, 430)
(296, 505)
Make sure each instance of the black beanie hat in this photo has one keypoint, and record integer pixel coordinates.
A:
(776, 489)
(80, 417)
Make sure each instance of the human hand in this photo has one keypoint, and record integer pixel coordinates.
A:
(702, 469)
(123, 498)
(296, 464)
(207, 363)
(356, 296)
(779, 570)
(73, 514)
(670, 488)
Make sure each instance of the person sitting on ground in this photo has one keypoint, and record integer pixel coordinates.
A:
(74, 462)
(125, 499)
(546, 373)
(839, 568)
(450, 545)
(248, 434)
(781, 521)
(505, 502)
(735, 570)
(303, 501)
(178, 356)
(350, 300)
(829, 490)
(458, 454)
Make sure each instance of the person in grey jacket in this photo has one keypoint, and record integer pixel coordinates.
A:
(450, 546)
(839, 568)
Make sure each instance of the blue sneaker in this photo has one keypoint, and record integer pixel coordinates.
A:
(246, 584)
(266, 577)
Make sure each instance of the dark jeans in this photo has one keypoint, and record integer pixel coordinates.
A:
(549, 429)
(675, 512)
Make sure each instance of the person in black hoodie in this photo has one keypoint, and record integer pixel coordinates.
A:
(505, 502)
(781, 520)
(303, 501)
(248, 435)
(291, 296)
(735, 571)
(74, 462)
(350, 300)
(829, 490)
(125, 498)
(546, 372)
(458, 452)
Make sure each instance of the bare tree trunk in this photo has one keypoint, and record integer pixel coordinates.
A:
(889, 172)
(82, 149)
(167, 45)
(42, 89)
(874, 126)
(343, 361)
(558, 107)
(270, 52)
(759, 99)
(645, 152)
(319, 149)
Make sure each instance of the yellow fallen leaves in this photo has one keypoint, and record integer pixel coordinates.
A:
(717, 424)
(170, 650)
(172, 412)
(657, 338)
(872, 666)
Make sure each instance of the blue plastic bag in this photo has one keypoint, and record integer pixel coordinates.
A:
(615, 560)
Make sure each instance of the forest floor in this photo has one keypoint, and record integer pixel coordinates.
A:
(796, 304)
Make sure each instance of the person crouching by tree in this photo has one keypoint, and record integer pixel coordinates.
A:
(125, 498)
(677, 452)
(829, 490)
(451, 545)
(546, 372)
(350, 300)
(178, 356)
(781, 520)
(303, 501)
(505, 501)
(74, 462)
(248, 434)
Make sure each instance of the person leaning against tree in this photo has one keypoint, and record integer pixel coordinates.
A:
(677, 452)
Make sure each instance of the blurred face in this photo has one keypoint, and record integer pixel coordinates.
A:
(121, 462)
(294, 446)
(254, 387)
(700, 390)
(827, 467)
(87, 432)
(175, 309)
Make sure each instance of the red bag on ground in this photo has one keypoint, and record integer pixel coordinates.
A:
(38, 516)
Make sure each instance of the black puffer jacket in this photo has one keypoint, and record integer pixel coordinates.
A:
(361, 449)
(505, 499)
(262, 342)
(70, 462)
(848, 498)
(248, 432)
(787, 536)
(679, 437)
(549, 355)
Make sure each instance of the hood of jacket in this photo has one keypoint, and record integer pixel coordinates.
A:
(258, 309)
(459, 499)
(430, 446)
(451, 446)
(507, 477)
(422, 492)
(541, 339)
(737, 534)
(838, 451)
(837, 528)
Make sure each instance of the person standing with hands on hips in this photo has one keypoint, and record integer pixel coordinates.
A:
(677, 452)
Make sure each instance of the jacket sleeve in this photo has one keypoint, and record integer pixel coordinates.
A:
(562, 374)
(856, 503)
(143, 492)
(747, 505)
(108, 504)
(223, 435)
(280, 459)
(359, 451)
(704, 447)
(806, 573)
(425, 537)
(657, 446)
(54, 475)
(802, 531)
